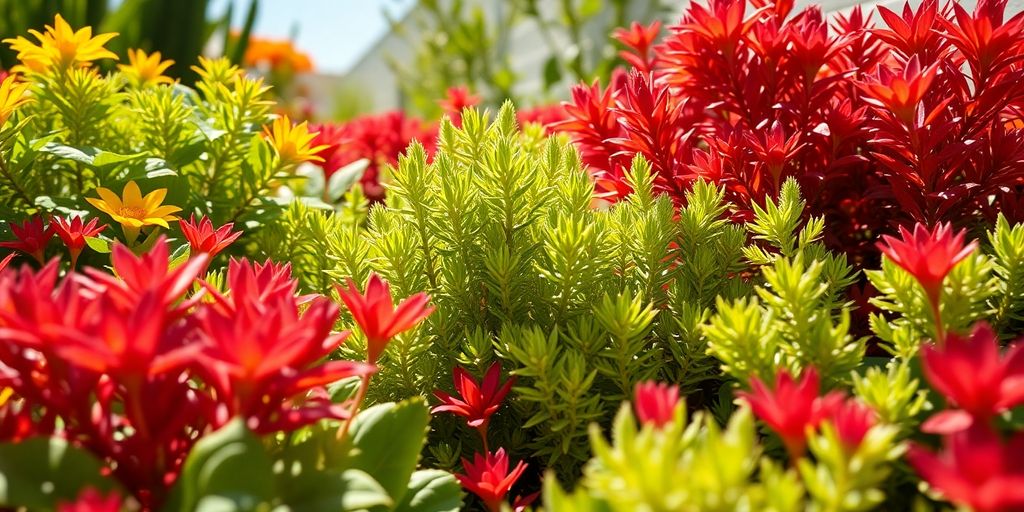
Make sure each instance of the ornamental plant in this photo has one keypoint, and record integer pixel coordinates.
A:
(885, 118)
(136, 373)
(583, 305)
(155, 389)
(698, 296)
(135, 150)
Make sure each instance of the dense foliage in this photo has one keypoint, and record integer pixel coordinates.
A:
(914, 120)
(776, 266)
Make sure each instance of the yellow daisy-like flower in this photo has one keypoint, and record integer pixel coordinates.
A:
(292, 141)
(60, 45)
(133, 211)
(145, 69)
(12, 96)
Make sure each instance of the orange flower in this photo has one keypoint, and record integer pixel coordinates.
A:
(900, 92)
(277, 55)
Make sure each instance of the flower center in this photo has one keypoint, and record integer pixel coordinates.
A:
(132, 212)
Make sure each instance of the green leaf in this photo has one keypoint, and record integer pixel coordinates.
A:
(344, 178)
(81, 155)
(106, 158)
(188, 153)
(100, 245)
(229, 464)
(386, 442)
(431, 490)
(38, 473)
(333, 491)
(552, 72)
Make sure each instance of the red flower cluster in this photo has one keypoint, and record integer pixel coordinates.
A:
(655, 403)
(73, 233)
(379, 138)
(976, 469)
(90, 500)
(928, 255)
(488, 477)
(793, 409)
(476, 402)
(135, 370)
(378, 317)
(973, 377)
(202, 238)
(34, 234)
(916, 121)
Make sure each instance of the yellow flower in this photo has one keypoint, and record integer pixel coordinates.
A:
(133, 211)
(292, 142)
(60, 45)
(145, 69)
(12, 96)
(5, 395)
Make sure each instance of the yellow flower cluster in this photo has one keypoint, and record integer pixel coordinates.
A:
(292, 142)
(133, 211)
(60, 46)
(12, 96)
(143, 69)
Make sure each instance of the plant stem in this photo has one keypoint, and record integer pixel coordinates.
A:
(364, 384)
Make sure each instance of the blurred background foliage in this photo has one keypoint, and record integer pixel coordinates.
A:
(180, 30)
(490, 47)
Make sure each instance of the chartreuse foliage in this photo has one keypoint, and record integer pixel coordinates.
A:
(699, 465)
(798, 317)
(580, 303)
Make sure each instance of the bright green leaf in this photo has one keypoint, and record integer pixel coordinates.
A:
(386, 443)
(38, 473)
(431, 490)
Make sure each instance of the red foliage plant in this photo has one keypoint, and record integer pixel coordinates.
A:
(135, 370)
(382, 138)
(379, 138)
(918, 120)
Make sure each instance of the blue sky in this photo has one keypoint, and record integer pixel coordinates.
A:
(334, 32)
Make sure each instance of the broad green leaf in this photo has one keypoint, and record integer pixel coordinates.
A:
(386, 443)
(81, 155)
(229, 464)
(431, 490)
(38, 473)
(334, 491)
(106, 158)
(344, 178)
